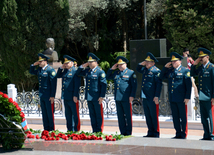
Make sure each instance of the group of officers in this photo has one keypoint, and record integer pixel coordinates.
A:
(125, 84)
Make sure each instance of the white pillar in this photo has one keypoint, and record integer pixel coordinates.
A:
(190, 106)
(12, 91)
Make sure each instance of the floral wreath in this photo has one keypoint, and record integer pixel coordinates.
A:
(11, 136)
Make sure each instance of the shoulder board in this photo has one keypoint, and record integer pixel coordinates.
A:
(131, 70)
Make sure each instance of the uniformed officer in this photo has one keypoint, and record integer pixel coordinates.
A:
(205, 73)
(70, 92)
(150, 92)
(179, 88)
(95, 90)
(47, 90)
(75, 64)
(125, 84)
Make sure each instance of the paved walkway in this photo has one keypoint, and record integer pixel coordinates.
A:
(132, 145)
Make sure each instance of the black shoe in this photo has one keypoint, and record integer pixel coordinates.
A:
(148, 136)
(176, 137)
(206, 139)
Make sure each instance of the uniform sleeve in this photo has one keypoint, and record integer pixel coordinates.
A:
(103, 84)
(53, 79)
(33, 70)
(158, 83)
(164, 73)
(81, 71)
(212, 74)
(140, 68)
(77, 80)
(133, 84)
(59, 73)
(194, 71)
(110, 74)
(188, 84)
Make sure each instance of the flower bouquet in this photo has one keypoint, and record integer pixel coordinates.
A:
(11, 117)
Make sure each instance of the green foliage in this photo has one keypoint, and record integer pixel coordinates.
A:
(24, 27)
(190, 24)
(99, 26)
(4, 80)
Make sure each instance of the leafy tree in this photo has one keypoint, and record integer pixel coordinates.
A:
(155, 10)
(190, 24)
(24, 27)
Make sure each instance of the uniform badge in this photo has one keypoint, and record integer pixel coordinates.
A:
(94, 75)
(125, 76)
(103, 75)
(53, 73)
(134, 76)
(180, 74)
(188, 74)
(45, 73)
(158, 74)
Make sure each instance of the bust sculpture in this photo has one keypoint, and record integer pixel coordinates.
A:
(49, 52)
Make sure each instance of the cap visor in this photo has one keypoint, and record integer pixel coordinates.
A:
(202, 55)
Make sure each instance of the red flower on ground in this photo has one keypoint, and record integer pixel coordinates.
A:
(37, 137)
(53, 134)
(45, 133)
(1, 93)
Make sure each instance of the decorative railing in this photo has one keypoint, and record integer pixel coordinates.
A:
(30, 104)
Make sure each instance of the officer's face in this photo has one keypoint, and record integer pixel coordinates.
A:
(149, 64)
(69, 65)
(204, 59)
(42, 63)
(92, 64)
(176, 63)
(121, 67)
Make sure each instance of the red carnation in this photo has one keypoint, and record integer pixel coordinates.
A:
(19, 109)
(1, 93)
(57, 138)
(45, 133)
(114, 139)
(22, 115)
(10, 100)
(5, 96)
(37, 137)
(53, 134)
(16, 104)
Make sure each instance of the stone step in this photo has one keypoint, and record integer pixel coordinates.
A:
(138, 121)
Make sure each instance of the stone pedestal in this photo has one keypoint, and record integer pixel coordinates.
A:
(190, 106)
(56, 65)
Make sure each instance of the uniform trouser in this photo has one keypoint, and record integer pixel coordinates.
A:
(96, 115)
(124, 114)
(47, 114)
(207, 118)
(179, 114)
(151, 111)
(72, 115)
